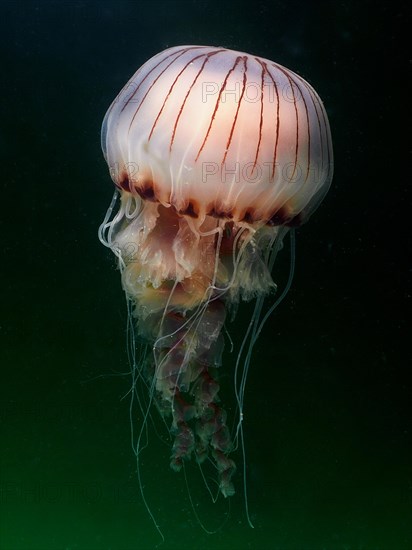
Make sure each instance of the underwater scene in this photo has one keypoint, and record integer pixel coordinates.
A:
(204, 274)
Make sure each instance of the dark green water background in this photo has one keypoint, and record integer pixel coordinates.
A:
(327, 417)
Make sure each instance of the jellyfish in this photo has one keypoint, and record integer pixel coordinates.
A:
(215, 155)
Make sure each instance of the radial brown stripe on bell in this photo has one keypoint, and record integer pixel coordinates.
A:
(147, 75)
(264, 65)
(308, 125)
(260, 119)
(297, 117)
(154, 82)
(171, 89)
(207, 57)
(315, 104)
(237, 110)
(238, 58)
(328, 142)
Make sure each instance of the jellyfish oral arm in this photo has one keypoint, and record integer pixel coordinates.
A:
(187, 353)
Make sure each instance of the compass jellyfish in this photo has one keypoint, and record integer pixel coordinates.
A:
(216, 155)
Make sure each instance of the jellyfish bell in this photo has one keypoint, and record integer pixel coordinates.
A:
(215, 155)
